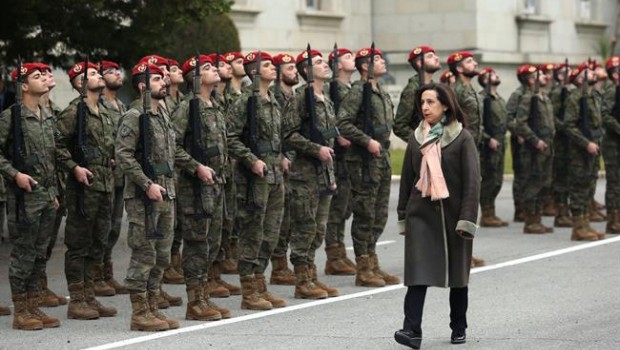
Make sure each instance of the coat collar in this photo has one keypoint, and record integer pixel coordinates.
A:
(450, 133)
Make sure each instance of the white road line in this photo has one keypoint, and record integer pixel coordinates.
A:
(378, 244)
(253, 316)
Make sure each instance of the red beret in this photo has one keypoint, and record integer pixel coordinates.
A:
(486, 70)
(547, 67)
(445, 76)
(44, 67)
(526, 69)
(612, 62)
(213, 58)
(341, 51)
(304, 55)
(78, 69)
(559, 66)
(251, 57)
(155, 59)
(365, 52)
(25, 70)
(140, 68)
(283, 58)
(231, 56)
(105, 65)
(173, 62)
(580, 68)
(456, 57)
(420, 50)
(190, 64)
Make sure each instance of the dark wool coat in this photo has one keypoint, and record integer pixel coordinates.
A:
(435, 255)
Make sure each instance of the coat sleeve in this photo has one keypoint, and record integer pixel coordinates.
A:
(406, 185)
(470, 196)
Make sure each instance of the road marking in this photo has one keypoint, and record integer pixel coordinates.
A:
(378, 244)
(257, 315)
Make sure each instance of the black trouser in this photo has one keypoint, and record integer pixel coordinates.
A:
(414, 306)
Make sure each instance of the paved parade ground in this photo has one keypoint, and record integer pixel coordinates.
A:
(536, 292)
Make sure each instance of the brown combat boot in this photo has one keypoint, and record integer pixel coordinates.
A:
(216, 273)
(343, 256)
(613, 221)
(23, 319)
(599, 235)
(477, 262)
(251, 300)
(280, 272)
(229, 265)
(304, 288)
(549, 208)
(153, 297)
(533, 224)
(365, 277)
(78, 308)
(312, 274)
(519, 213)
(205, 296)
(489, 219)
(197, 308)
(142, 319)
(108, 275)
(335, 264)
(261, 288)
(597, 205)
(89, 297)
(102, 289)
(4, 310)
(33, 307)
(165, 298)
(580, 230)
(171, 273)
(373, 260)
(562, 218)
(596, 216)
(47, 297)
(216, 290)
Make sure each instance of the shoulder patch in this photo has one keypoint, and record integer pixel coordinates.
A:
(124, 131)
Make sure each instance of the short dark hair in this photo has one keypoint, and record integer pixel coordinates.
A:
(452, 67)
(301, 69)
(446, 97)
(359, 61)
(137, 79)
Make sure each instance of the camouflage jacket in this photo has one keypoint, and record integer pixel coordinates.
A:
(471, 103)
(535, 125)
(173, 102)
(555, 94)
(405, 122)
(281, 96)
(495, 127)
(350, 121)
(268, 134)
(611, 122)
(593, 122)
(39, 155)
(511, 109)
(99, 150)
(115, 114)
(164, 155)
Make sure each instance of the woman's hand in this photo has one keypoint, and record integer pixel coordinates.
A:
(465, 235)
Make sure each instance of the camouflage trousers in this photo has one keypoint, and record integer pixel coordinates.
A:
(560, 184)
(518, 181)
(60, 213)
(259, 229)
(229, 233)
(582, 173)
(201, 237)
(86, 237)
(536, 169)
(369, 204)
(285, 228)
(611, 155)
(28, 255)
(118, 208)
(339, 210)
(492, 171)
(309, 212)
(149, 257)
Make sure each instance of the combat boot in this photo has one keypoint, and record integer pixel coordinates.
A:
(108, 274)
(250, 299)
(548, 229)
(217, 277)
(89, 297)
(165, 298)
(102, 289)
(597, 205)
(312, 274)
(343, 256)
(503, 223)
(373, 260)
(580, 230)
(205, 296)
(549, 208)
(335, 264)
(364, 276)
(229, 265)
(596, 216)
(613, 221)
(519, 213)
(171, 273)
(562, 218)
(532, 223)
(4, 310)
(197, 308)
(141, 317)
(599, 235)
(477, 262)
(153, 297)
(280, 273)
(216, 290)
(304, 288)
(78, 308)
(489, 219)
(23, 319)
(261, 288)
(47, 297)
(33, 307)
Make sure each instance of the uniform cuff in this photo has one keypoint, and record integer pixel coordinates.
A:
(467, 227)
(401, 226)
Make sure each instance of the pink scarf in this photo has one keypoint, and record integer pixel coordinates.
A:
(431, 180)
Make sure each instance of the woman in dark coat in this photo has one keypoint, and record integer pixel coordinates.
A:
(437, 210)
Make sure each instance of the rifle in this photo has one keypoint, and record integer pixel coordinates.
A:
(533, 120)
(416, 118)
(315, 135)
(80, 152)
(193, 142)
(339, 151)
(217, 67)
(564, 92)
(486, 114)
(367, 126)
(276, 86)
(18, 148)
(615, 111)
(584, 120)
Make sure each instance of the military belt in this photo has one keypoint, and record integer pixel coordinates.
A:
(264, 147)
(382, 129)
(213, 151)
(162, 169)
(543, 132)
(596, 133)
(330, 133)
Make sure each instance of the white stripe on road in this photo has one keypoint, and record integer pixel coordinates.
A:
(378, 244)
(257, 315)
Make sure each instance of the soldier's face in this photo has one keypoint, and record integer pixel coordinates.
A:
(225, 71)
(320, 68)
(601, 74)
(36, 84)
(267, 71)
(158, 87)
(237, 68)
(468, 67)
(380, 67)
(543, 79)
(51, 83)
(495, 80)
(431, 62)
(432, 109)
(176, 75)
(113, 79)
(592, 79)
(209, 74)
(164, 68)
(95, 80)
(288, 74)
(347, 63)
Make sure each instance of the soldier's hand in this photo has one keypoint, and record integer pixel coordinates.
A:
(24, 181)
(520, 140)
(258, 168)
(82, 175)
(286, 165)
(56, 203)
(592, 148)
(325, 154)
(541, 145)
(206, 174)
(374, 147)
(154, 192)
(493, 144)
(343, 141)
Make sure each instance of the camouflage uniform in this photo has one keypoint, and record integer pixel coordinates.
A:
(149, 257)
(515, 149)
(560, 185)
(30, 241)
(611, 155)
(173, 102)
(405, 122)
(471, 103)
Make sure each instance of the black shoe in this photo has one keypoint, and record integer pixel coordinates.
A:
(458, 337)
(408, 338)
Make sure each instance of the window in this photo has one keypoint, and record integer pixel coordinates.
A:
(585, 10)
(530, 7)
(313, 5)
